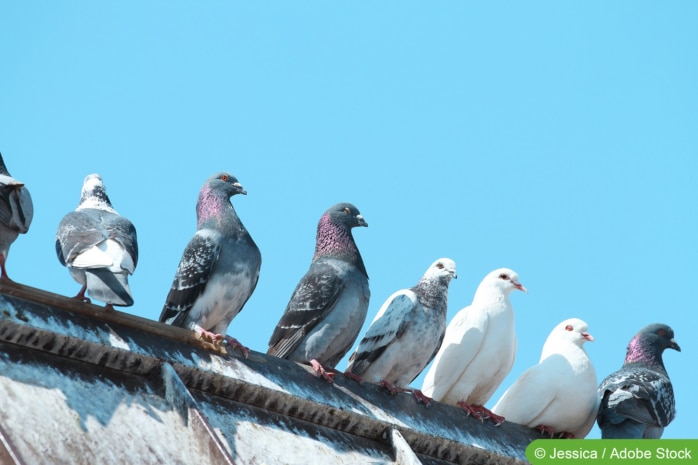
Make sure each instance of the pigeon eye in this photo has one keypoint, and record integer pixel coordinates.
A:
(440, 266)
(569, 328)
(224, 178)
(662, 333)
(503, 276)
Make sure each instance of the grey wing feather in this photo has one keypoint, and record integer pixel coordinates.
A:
(390, 325)
(195, 266)
(643, 395)
(16, 207)
(311, 301)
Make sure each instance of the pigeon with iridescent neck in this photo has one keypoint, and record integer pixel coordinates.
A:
(219, 268)
(99, 246)
(329, 305)
(637, 401)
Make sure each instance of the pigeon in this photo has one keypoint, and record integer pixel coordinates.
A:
(219, 269)
(16, 213)
(479, 348)
(99, 247)
(407, 332)
(637, 401)
(557, 396)
(329, 305)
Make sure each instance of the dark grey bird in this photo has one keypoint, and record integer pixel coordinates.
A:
(16, 213)
(219, 269)
(329, 305)
(406, 333)
(99, 246)
(637, 401)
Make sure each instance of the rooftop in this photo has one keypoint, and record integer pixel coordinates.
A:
(82, 385)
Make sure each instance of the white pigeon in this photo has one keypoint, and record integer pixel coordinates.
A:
(479, 348)
(558, 395)
(406, 332)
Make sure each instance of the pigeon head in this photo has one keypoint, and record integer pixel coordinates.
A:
(504, 279)
(346, 215)
(334, 238)
(224, 183)
(443, 270)
(214, 199)
(432, 288)
(573, 330)
(94, 194)
(648, 345)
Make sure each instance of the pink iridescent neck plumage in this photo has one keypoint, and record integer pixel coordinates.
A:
(214, 208)
(642, 351)
(335, 240)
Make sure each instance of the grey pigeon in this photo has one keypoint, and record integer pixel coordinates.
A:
(637, 401)
(219, 269)
(98, 246)
(16, 213)
(407, 332)
(558, 395)
(328, 307)
(479, 348)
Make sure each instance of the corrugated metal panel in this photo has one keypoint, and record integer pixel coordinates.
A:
(79, 384)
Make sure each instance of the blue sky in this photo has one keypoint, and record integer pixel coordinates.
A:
(556, 138)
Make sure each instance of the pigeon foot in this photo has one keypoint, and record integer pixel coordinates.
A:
(392, 389)
(422, 398)
(81, 295)
(481, 413)
(320, 370)
(351, 375)
(545, 430)
(235, 344)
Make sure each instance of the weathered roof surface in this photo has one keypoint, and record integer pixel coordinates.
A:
(82, 385)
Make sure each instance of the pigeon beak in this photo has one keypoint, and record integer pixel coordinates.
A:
(674, 345)
(519, 286)
(362, 222)
(588, 337)
(239, 188)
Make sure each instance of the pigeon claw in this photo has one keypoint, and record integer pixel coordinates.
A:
(235, 344)
(81, 295)
(545, 430)
(208, 336)
(391, 388)
(320, 370)
(481, 413)
(422, 398)
(351, 375)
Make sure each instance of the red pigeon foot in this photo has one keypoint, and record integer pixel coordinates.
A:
(481, 413)
(351, 375)
(81, 295)
(545, 430)
(421, 397)
(320, 370)
(208, 336)
(235, 344)
(392, 389)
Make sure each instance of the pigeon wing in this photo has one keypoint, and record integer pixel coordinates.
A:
(198, 260)
(391, 322)
(461, 344)
(312, 300)
(16, 207)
